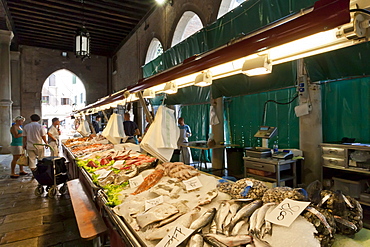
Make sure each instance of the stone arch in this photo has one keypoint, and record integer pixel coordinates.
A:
(228, 5)
(154, 50)
(188, 24)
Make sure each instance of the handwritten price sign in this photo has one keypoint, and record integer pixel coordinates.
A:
(175, 237)
(286, 212)
(192, 184)
(136, 181)
(153, 202)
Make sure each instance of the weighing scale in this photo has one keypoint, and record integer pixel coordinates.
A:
(266, 132)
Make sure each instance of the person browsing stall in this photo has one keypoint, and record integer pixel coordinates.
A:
(185, 133)
(53, 136)
(34, 133)
(131, 129)
(97, 124)
(16, 146)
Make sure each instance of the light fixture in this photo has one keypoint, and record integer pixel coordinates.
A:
(170, 2)
(203, 79)
(170, 88)
(82, 39)
(258, 65)
(148, 94)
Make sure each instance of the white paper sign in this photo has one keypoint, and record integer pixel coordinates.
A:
(192, 184)
(175, 237)
(286, 212)
(136, 181)
(153, 202)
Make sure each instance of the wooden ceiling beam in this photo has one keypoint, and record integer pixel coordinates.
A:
(40, 7)
(33, 24)
(66, 23)
(24, 21)
(121, 11)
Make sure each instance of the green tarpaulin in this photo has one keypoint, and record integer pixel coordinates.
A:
(345, 110)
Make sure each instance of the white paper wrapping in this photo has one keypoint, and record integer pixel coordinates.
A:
(84, 128)
(162, 135)
(114, 130)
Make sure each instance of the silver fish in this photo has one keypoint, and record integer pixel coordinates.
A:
(222, 212)
(261, 216)
(344, 222)
(321, 218)
(196, 241)
(237, 227)
(229, 241)
(226, 223)
(253, 221)
(204, 219)
(214, 242)
(234, 208)
(244, 212)
(268, 225)
(260, 243)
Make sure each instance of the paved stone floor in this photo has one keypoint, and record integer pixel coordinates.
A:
(29, 220)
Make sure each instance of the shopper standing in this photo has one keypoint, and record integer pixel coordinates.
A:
(131, 129)
(34, 133)
(16, 146)
(185, 132)
(53, 136)
(97, 124)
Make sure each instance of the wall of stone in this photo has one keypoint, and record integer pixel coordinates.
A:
(161, 24)
(37, 64)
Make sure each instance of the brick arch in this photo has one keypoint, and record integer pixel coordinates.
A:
(37, 64)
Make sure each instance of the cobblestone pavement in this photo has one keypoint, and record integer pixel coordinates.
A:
(29, 220)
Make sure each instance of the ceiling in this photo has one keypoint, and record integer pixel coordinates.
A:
(53, 23)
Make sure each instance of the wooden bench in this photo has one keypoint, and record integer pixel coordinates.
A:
(89, 221)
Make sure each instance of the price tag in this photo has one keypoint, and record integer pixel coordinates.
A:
(286, 212)
(192, 184)
(249, 183)
(175, 237)
(136, 181)
(153, 202)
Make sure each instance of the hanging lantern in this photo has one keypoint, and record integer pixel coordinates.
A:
(82, 43)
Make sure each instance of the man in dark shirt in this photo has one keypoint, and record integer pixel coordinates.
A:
(131, 129)
(96, 124)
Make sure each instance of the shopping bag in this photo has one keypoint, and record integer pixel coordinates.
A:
(23, 159)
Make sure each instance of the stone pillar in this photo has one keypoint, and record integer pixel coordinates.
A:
(15, 73)
(218, 155)
(310, 130)
(5, 90)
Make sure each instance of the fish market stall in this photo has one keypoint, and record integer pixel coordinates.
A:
(142, 202)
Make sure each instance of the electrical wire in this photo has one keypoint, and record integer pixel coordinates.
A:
(360, 10)
(274, 101)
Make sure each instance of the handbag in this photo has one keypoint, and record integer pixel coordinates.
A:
(23, 159)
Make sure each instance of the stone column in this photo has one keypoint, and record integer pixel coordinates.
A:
(5, 90)
(218, 155)
(310, 129)
(15, 73)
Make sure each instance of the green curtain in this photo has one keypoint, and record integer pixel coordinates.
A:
(197, 117)
(345, 110)
(244, 116)
(282, 75)
(246, 18)
(334, 65)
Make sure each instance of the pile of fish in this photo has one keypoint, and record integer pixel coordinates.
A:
(178, 170)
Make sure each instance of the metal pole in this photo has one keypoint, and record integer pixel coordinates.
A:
(145, 107)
